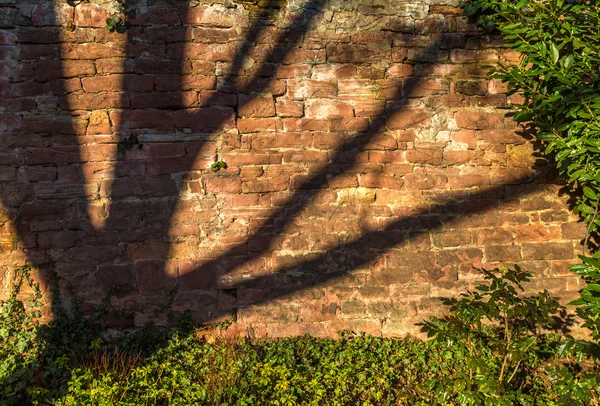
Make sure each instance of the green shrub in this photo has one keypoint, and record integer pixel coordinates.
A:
(503, 336)
(559, 78)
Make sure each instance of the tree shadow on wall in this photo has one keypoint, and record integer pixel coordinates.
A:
(96, 246)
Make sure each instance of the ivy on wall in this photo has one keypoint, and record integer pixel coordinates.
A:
(559, 79)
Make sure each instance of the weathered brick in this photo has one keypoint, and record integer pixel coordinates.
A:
(548, 250)
(90, 15)
(256, 105)
(52, 14)
(205, 119)
(300, 89)
(136, 83)
(327, 109)
(503, 253)
(479, 120)
(289, 108)
(275, 184)
(407, 118)
(252, 125)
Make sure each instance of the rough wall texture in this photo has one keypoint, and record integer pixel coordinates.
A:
(372, 166)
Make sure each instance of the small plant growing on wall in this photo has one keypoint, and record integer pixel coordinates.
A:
(217, 166)
(118, 22)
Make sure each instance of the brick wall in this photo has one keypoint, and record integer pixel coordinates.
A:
(372, 165)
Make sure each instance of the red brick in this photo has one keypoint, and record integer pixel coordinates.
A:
(328, 109)
(291, 55)
(281, 140)
(54, 124)
(333, 72)
(57, 239)
(91, 50)
(276, 184)
(400, 70)
(418, 87)
(381, 181)
(214, 35)
(471, 87)
(468, 157)
(90, 15)
(203, 52)
(479, 120)
(548, 250)
(254, 158)
(138, 119)
(253, 125)
(459, 256)
(99, 123)
(352, 53)
(92, 101)
(223, 184)
(212, 16)
(109, 276)
(114, 65)
(158, 16)
(503, 253)
(52, 14)
(452, 238)
(405, 118)
(425, 156)
(60, 87)
(256, 105)
(292, 71)
(289, 108)
(175, 83)
(471, 55)
(136, 83)
(304, 156)
(211, 98)
(45, 70)
(300, 89)
(500, 137)
(163, 100)
(574, 230)
(153, 275)
(467, 181)
(507, 176)
(537, 232)
(205, 119)
(146, 65)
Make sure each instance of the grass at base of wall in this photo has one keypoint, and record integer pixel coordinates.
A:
(470, 361)
(354, 369)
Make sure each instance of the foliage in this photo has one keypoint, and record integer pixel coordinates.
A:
(118, 22)
(217, 166)
(588, 304)
(128, 143)
(19, 344)
(559, 79)
(502, 334)
(69, 362)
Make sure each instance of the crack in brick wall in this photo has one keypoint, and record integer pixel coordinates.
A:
(372, 164)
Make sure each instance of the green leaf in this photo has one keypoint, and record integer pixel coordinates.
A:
(589, 193)
(554, 52)
(568, 62)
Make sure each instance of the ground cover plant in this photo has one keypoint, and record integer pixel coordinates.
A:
(491, 348)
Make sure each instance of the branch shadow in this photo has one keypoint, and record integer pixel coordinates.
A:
(103, 255)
